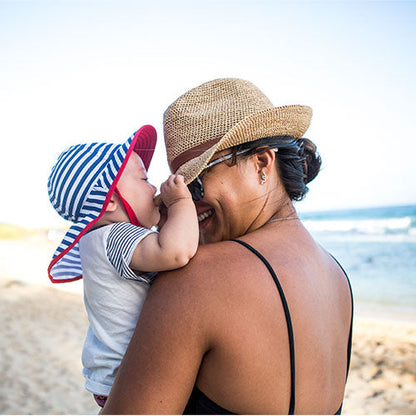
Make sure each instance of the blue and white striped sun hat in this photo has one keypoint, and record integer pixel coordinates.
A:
(80, 186)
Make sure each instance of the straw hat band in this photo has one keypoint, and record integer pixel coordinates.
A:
(189, 154)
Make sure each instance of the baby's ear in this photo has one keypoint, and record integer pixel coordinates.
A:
(112, 204)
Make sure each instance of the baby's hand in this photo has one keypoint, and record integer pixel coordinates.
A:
(173, 190)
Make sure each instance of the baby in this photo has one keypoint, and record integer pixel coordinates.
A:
(103, 189)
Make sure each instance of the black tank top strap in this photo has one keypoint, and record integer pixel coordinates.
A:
(352, 316)
(288, 320)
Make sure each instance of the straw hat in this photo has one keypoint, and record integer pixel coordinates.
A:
(221, 114)
(80, 186)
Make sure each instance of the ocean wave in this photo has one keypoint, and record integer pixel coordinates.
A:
(381, 226)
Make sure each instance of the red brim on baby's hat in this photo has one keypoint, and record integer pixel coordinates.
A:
(80, 187)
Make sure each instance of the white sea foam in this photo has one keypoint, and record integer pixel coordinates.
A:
(365, 226)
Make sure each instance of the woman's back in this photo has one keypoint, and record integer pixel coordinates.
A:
(247, 367)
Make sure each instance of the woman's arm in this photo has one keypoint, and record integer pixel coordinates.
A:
(162, 361)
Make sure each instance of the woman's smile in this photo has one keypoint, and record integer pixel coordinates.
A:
(205, 215)
(204, 218)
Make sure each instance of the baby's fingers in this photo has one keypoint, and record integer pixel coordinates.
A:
(171, 180)
(179, 180)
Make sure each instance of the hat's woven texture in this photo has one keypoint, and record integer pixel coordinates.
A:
(220, 114)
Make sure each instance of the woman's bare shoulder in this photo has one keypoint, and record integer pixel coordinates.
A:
(210, 261)
(210, 274)
(190, 301)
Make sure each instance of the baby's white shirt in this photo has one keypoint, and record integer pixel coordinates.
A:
(113, 297)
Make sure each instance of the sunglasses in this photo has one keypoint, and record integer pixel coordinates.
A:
(196, 188)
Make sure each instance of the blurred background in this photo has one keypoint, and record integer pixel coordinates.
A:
(85, 71)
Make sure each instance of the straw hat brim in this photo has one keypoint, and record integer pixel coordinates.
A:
(292, 120)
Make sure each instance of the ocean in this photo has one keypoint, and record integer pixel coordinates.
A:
(377, 249)
(375, 246)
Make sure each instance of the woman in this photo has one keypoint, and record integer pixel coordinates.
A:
(260, 325)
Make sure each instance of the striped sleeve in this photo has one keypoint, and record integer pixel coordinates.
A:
(122, 240)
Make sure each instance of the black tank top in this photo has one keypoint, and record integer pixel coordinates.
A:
(200, 404)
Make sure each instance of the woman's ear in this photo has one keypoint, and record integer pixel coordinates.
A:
(265, 161)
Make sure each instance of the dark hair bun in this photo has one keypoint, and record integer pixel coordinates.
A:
(313, 160)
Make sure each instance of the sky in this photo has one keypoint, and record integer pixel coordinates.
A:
(86, 71)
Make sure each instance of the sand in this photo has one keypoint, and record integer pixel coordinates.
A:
(43, 329)
(382, 378)
(42, 336)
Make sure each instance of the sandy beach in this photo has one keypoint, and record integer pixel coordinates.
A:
(44, 327)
